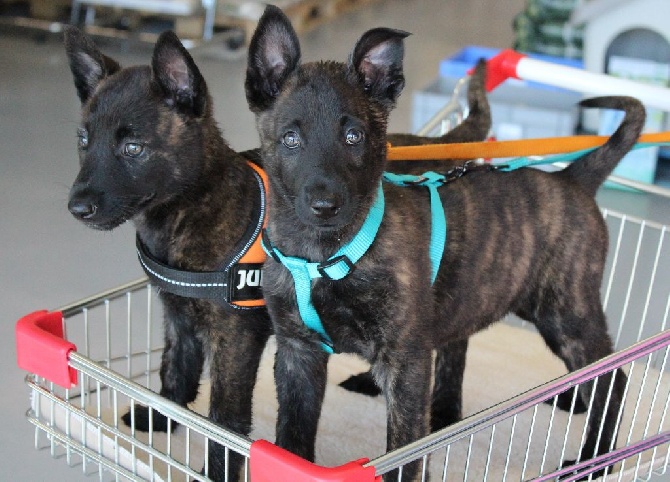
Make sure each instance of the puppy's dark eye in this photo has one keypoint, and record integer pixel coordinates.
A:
(82, 139)
(133, 149)
(291, 140)
(354, 136)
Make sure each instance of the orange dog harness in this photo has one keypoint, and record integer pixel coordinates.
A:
(237, 285)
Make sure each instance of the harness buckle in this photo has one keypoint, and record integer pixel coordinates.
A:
(415, 182)
(322, 267)
(328, 346)
(468, 166)
(457, 172)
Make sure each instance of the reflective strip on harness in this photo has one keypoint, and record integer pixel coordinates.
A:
(255, 255)
(238, 285)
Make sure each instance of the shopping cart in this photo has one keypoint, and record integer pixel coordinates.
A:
(92, 360)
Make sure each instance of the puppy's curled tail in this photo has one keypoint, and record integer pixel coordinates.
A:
(477, 124)
(592, 170)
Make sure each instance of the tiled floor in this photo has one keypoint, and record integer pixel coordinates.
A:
(47, 259)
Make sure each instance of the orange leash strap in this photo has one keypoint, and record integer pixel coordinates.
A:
(516, 148)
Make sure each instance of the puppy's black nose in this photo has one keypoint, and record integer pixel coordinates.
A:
(82, 209)
(325, 208)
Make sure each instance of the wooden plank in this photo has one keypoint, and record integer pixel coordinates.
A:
(339, 7)
(189, 27)
(49, 9)
(304, 15)
(307, 14)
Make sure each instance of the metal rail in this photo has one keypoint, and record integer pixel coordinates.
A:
(490, 417)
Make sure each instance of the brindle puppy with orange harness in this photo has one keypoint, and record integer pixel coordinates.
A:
(151, 152)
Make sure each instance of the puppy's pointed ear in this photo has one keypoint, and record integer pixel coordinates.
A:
(274, 53)
(177, 76)
(89, 66)
(376, 62)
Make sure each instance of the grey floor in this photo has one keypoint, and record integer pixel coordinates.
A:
(47, 259)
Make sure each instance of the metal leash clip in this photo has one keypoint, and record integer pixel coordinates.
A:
(468, 166)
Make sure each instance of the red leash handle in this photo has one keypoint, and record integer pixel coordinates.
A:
(42, 349)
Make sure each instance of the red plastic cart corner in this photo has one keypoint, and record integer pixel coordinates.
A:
(501, 67)
(269, 463)
(41, 348)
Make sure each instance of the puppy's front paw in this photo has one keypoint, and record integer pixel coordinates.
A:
(160, 421)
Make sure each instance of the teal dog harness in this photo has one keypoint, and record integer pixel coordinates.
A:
(343, 262)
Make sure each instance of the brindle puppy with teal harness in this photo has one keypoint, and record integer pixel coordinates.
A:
(523, 241)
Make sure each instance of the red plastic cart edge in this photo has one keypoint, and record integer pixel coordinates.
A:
(41, 348)
(269, 463)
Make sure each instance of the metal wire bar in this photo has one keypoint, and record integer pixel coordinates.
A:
(651, 281)
(104, 296)
(487, 465)
(84, 451)
(149, 325)
(87, 418)
(567, 431)
(615, 258)
(587, 467)
(653, 400)
(518, 404)
(631, 279)
(452, 108)
(145, 396)
(530, 438)
(509, 448)
(546, 441)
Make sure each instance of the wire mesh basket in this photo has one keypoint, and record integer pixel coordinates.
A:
(110, 345)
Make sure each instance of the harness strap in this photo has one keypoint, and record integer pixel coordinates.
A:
(520, 162)
(302, 280)
(338, 266)
(255, 254)
(189, 284)
(438, 223)
(237, 284)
